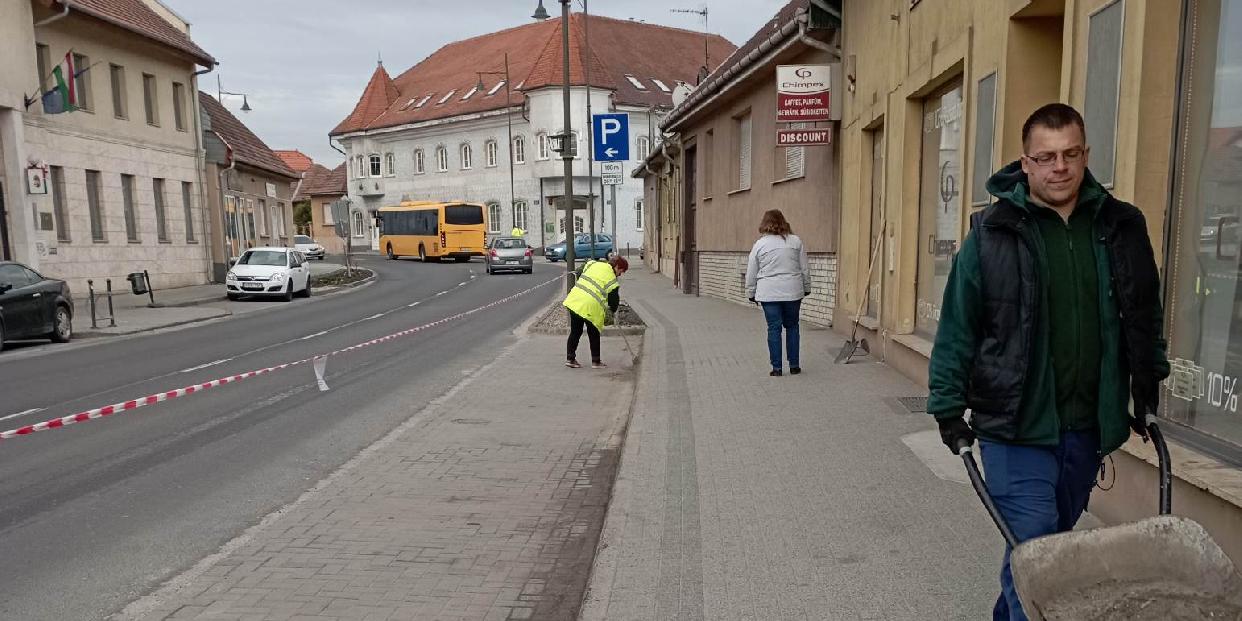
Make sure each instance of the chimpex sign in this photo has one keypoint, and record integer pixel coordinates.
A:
(803, 93)
(611, 137)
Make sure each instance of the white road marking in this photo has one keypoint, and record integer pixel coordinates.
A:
(376, 316)
(414, 304)
(441, 293)
(204, 366)
(311, 336)
(30, 411)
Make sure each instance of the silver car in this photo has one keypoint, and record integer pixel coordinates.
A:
(509, 253)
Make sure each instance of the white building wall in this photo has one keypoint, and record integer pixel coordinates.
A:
(534, 180)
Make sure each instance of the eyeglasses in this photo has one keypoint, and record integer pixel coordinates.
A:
(1047, 159)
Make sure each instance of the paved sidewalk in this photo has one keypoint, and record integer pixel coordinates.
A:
(174, 307)
(743, 496)
(485, 505)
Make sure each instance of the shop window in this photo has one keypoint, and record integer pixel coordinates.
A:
(985, 131)
(940, 216)
(1103, 89)
(1203, 273)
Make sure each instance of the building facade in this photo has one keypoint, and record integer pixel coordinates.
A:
(937, 92)
(441, 130)
(726, 167)
(249, 189)
(321, 188)
(123, 187)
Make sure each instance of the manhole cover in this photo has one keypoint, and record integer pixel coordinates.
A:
(471, 421)
(913, 404)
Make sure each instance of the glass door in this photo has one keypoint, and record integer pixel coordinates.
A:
(940, 214)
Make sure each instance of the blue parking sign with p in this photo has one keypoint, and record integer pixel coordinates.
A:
(611, 137)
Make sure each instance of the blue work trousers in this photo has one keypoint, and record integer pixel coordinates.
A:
(1040, 490)
(782, 315)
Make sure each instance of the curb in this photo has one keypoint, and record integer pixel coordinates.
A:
(93, 334)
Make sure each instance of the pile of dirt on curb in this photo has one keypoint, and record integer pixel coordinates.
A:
(342, 277)
(555, 320)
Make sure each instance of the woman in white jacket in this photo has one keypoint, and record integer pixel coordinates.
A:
(777, 277)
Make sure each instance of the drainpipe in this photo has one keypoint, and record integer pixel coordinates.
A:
(803, 18)
(63, 14)
(237, 214)
(200, 164)
(334, 148)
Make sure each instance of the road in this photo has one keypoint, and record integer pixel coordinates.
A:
(98, 513)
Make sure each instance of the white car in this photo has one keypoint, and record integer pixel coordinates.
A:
(307, 246)
(279, 272)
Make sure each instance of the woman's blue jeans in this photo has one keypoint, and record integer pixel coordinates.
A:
(782, 315)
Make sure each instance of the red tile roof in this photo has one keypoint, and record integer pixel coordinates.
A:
(247, 147)
(296, 160)
(618, 48)
(320, 181)
(135, 16)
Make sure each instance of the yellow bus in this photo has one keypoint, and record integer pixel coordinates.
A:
(431, 230)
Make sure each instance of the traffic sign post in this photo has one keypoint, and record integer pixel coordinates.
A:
(612, 173)
(611, 137)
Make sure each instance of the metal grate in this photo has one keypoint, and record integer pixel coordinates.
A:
(913, 404)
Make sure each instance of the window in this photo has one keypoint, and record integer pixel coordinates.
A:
(521, 214)
(278, 220)
(356, 224)
(187, 206)
(793, 164)
(58, 204)
(94, 203)
(940, 216)
(419, 163)
(638, 85)
(493, 217)
(467, 160)
(408, 104)
(120, 94)
(82, 81)
(638, 214)
(422, 102)
(489, 153)
(985, 112)
(1103, 89)
(1203, 276)
(328, 219)
(493, 90)
(390, 165)
(263, 217)
(470, 93)
(179, 106)
(709, 154)
(43, 60)
(375, 165)
(362, 166)
(519, 150)
(441, 159)
(446, 97)
(131, 218)
(541, 146)
(150, 99)
(642, 147)
(573, 138)
(741, 152)
(578, 225)
(161, 215)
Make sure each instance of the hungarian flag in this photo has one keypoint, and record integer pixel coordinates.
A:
(63, 96)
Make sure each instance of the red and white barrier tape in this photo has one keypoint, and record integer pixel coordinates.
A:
(134, 404)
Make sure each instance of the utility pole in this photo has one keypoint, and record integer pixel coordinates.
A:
(590, 122)
(567, 155)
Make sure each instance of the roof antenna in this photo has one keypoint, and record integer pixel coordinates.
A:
(707, 57)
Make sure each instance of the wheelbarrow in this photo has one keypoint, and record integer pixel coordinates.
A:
(1163, 568)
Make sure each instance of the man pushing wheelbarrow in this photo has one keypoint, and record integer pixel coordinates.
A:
(1051, 325)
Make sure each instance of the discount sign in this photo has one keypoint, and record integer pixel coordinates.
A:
(802, 93)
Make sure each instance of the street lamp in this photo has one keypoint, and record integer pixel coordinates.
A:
(540, 13)
(567, 155)
(220, 93)
(509, 123)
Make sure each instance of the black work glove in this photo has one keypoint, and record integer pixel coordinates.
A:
(1146, 395)
(806, 294)
(954, 431)
(752, 300)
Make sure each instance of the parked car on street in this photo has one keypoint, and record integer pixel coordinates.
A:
(582, 248)
(269, 271)
(509, 254)
(32, 306)
(307, 246)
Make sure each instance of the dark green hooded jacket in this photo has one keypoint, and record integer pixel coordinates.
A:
(992, 347)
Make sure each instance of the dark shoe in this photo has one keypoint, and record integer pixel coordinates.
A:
(775, 373)
(598, 364)
(795, 370)
(573, 364)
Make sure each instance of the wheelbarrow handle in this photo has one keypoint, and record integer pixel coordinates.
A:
(981, 488)
(1165, 464)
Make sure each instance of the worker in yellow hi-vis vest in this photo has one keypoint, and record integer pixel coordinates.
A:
(517, 232)
(593, 297)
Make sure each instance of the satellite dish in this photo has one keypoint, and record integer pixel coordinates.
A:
(680, 93)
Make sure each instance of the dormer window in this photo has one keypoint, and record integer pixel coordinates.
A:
(638, 85)
(493, 90)
(409, 103)
(422, 102)
(470, 93)
(520, 85)
(446, 97)
(662, 86)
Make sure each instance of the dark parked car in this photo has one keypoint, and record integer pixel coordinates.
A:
(33, 307)
(582, 248)
(509, 253)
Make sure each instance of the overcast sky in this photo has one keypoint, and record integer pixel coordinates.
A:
(304, 63)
